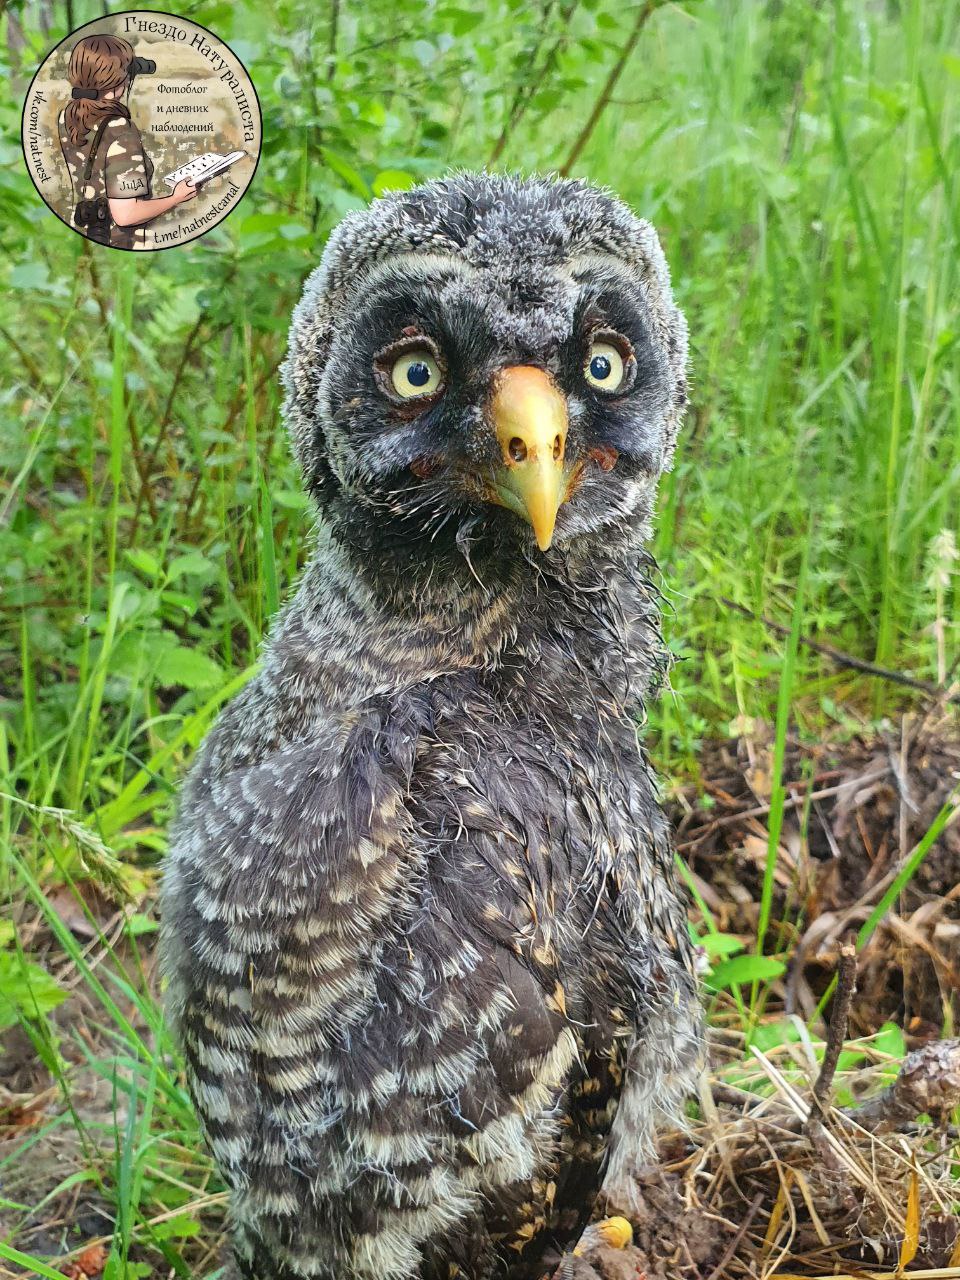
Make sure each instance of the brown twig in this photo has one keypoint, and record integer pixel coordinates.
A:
(761, 810)
(836, 1035)
(527, 91)
(799, 89)
(332, 40)
(29, 363)
(733, 1096)
(606, 93)
(96, 290)
(845, 659)
(141, 465)
(721, 1267)
(837, 1030)
(165, 419)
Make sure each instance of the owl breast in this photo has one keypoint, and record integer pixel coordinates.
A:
(415, 1019)
(534, 956)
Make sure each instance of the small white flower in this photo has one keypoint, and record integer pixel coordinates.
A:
(943, 556)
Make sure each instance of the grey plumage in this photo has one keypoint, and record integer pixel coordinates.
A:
(425, 948)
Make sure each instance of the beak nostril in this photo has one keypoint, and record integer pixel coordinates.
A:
(518, 450)
(557, 447)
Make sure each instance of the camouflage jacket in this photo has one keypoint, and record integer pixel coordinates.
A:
(122, 170)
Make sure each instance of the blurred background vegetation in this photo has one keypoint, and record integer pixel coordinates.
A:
(800, 162)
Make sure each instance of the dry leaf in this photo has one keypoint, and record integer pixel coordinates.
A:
(87, 1265)
(21, 1116)
(776, 1217)
(911, 1233)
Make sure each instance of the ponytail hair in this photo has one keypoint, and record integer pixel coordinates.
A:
(97, 65)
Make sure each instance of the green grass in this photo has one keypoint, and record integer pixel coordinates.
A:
(800, 162)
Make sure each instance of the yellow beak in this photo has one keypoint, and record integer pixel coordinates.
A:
(530, 418)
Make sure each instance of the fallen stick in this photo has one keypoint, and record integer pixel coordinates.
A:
(720, 1269)
(847, 659)
(791, 802)
(836, 1036)
(837, 1030)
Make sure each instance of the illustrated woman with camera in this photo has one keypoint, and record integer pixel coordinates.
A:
(109, 169)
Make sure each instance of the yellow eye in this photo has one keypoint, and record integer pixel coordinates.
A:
(603, 366)
(415, 373)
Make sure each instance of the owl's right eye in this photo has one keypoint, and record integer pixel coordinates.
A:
(604, 367)
(415, 373)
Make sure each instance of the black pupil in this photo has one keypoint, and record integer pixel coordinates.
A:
(418, 374)
(600, 367)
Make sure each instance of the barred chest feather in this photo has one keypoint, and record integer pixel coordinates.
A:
(420, 953)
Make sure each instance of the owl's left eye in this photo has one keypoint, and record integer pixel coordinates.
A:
(415, 373)
(604, 367)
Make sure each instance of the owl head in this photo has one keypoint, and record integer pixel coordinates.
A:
(487, 366)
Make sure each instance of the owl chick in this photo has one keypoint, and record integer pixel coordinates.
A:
(425, 949)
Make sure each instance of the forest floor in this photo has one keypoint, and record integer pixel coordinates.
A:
(765, 1177)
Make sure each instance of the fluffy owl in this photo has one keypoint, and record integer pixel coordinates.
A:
(425, 948)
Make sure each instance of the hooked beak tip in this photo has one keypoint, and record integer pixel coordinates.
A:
(529, 415)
